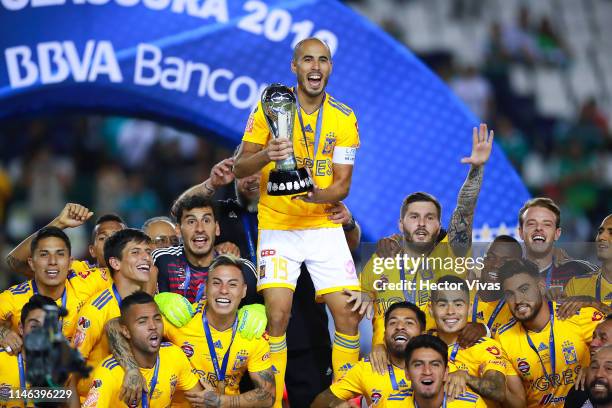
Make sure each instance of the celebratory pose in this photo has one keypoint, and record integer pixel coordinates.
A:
(545, 351)
(427, 369)
(403, 321)
(424, 248)
(164, 365)
(296, 229)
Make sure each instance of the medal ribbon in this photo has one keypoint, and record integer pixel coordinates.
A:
(317, 135)
(392, 377)
(219, 371)
(64, 301)
(408, 296)
(551, 347)
(117, 295)
(147, 397)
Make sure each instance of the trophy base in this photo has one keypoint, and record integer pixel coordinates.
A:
(289, 182)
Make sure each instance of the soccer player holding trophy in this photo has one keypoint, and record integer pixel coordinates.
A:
(293, 222)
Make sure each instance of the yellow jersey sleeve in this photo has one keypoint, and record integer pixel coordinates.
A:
(378, 323)
(7, 305)
(586, 320)
(492, 357)
(256, 130)
(88, 280)
(351, 383)
(349, 136)
(105, 385)
(259, 360)
(90, 326)
(9, 378)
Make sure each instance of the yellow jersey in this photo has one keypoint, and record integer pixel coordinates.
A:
(78, 290)
(251, 356)
(484, 355)
(90, 338)
(465, 400)
(492, 314)
(591, 285)
(9, 379)
(338, 133)
(387, 283)
(174, 373)
(377, 389)
(84, 269)
(529, 353)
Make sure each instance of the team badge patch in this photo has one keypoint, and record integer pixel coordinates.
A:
(375, 397)
(79, 338)
(523, 366)
(241, 360)
(569, 352)
(84, 322)
(330, 142)
(187, 349)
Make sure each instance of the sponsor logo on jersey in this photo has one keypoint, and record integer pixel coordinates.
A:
(187, 349)
(523, 366)
(268, 252)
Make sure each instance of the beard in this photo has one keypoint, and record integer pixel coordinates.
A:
(599, 398)
(534, 311)
(249, 204)
(419, 247)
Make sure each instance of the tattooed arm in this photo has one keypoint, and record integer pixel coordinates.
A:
(460, 228)
(327, 399)
(491, 385)
(71, 216)
(220, 175)
(133, 381)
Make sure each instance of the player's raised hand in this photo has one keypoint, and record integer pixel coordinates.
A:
(482, 144)
(471, 333)
(221, 173)
(388, 247)
(279, 149)
(73, 215)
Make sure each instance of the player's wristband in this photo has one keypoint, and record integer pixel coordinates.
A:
(352, 224)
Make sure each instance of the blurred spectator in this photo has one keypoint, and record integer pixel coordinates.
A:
(512, 141)
(551, 47)
(6, 190)
(135, 139)
(475, 90)
(140, 202)
(519, 39)
(577, 176)
(111, 186)
(47, 178)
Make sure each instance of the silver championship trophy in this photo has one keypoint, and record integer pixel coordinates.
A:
(279, 108)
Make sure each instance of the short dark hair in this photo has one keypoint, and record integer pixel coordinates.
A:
(451, 279)
(34, 303)
(541, 202)
(48, 232)
(417, 197)
(227, 260)
(105, 218)
(137, 298)
(189, 203)
(115, 244)
(421, 318)
(516, 266)
(426, 341)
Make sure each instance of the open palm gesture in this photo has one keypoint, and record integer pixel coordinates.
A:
(482, 143)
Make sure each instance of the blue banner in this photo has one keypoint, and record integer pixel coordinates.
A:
(203, 64)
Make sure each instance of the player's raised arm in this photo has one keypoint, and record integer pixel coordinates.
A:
(72, 215)
(220, 175)
(460, 228)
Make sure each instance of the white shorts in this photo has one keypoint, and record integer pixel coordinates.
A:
(324, 250)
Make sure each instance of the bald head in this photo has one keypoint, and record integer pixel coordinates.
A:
(298, 47)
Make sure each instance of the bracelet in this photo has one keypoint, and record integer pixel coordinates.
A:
(210, 190)
(352, 224)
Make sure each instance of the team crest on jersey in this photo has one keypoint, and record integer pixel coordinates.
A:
(187, 349)
(330, 142)
(523, 366)
(569, 352)
(597, 316)
(84, 323)
(494, 350)
(375, 396)
(241, 360)
(5, 392)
